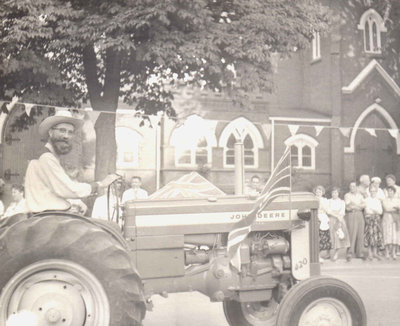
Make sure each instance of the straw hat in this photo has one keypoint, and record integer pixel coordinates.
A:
(61, 116)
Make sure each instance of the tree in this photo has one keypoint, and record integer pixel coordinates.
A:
(59, 52)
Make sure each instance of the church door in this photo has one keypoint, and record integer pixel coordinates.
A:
(375, 156)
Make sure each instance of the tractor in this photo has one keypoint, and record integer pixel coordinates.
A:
(71, 270)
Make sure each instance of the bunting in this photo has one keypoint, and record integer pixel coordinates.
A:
(293, 129)
(345, 131)
(394, 133)
(28, 108)
(267, 128)
(318, 130)
(154, 120)
(371, 131)
(10, 105)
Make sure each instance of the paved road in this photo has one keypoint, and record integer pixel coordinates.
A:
(378, 284)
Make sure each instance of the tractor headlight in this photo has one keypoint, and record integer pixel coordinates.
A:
(304, 214)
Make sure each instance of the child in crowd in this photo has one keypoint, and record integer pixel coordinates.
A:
(324, 237)
(338, 230)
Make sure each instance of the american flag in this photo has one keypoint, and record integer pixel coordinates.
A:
(278, 184)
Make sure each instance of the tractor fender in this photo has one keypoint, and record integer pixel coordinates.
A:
(110, 227)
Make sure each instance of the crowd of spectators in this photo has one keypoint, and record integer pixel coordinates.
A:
(365, 223)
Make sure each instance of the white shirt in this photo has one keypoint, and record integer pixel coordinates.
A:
(337, 208)
(48, 186)
(373, 206)
(1, 208)
(16, 208)
(100, 208)
(322, 216)
(132, 194)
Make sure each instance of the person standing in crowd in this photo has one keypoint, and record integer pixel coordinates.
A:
(135, 192)
(18, 204)
(390, 222)
(391, 182)
(376, 181)
(337, 225)
(363, 187)
(354, 218)
(107, 206)
(324, 236)
(373, 238)
(253, 188)
(47, 185)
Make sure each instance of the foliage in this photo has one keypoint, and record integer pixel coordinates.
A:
(58, 52)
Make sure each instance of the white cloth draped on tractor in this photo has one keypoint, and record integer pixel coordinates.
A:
(191, 185)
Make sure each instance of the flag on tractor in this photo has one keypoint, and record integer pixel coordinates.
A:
(191, 185)
(278, 184)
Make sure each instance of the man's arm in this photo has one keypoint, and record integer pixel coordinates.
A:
(60, 182)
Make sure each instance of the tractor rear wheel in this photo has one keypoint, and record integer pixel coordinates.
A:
(67, 271)
(321, 300)
(250, 313)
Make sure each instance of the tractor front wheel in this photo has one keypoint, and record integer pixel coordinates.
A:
(67, 271)
(321, 300)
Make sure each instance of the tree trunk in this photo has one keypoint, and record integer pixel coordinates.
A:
(106, 147)
(104, 98)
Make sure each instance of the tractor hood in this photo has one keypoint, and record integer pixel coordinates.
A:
(214, 214)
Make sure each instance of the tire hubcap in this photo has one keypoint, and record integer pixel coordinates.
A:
(326, 312)
(56, 293)
(258, 313)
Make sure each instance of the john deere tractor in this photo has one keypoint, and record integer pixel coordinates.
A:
(71, 270)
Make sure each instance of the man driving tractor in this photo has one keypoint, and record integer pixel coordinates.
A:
(47, 184)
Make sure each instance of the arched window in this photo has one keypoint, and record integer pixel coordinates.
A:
(193, 142)
(373, 25)
(248, 151)
(128, 141)
(302, 151)
(243, 130)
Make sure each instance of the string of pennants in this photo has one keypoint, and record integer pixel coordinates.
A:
(267, 127)
(345, 131)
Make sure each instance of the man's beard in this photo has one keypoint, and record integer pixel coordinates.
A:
(61, 147)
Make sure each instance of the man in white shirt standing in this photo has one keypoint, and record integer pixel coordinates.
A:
(135, 192)
(363, 187)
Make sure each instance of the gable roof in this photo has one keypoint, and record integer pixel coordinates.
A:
(373, 65)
